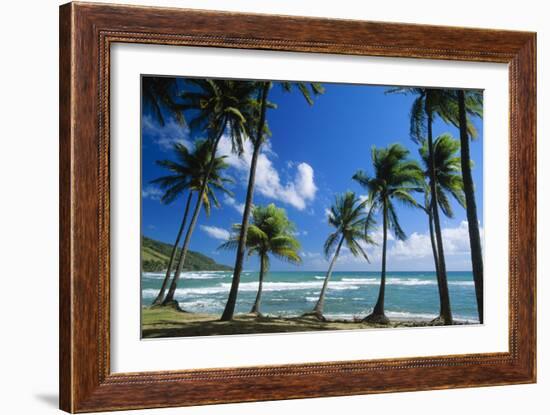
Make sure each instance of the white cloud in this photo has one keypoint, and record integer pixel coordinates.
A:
(415, 253)
(456, 241)
(151, 192)
(417, 245)
(363, 198)
(378, 235)
(165, 137)
(296, 192)
(306, 254)
(229, 201)
(215, 232)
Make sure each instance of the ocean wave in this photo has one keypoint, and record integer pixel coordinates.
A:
(403, 281)
(205, 304)
(406, 315)
(392, 315)
(191, 275)
(343, 285)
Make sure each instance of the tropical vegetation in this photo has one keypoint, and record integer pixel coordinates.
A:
(270, 233)
(187, 174)
(395, 178)
(361, 224)
(352, 227)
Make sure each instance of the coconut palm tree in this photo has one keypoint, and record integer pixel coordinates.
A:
(395, 179)
(258, 138)
(160, 93)
(270, 233)
(448, 182)
(220, 107)
(473, 106)
(427, 208)
(186, 175)
(428, 103)
(352, 227)
(470, 104)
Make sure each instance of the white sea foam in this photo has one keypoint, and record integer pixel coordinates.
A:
(191, 275)
(344, 284)
(205, 304)
(403, 281)
(405, 315)
(362, 280)
(397, 316)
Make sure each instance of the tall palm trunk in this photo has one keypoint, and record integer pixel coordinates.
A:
(436, 259)
(378, 315)
(160, 296)
(471, 209)
(441, 282)
(181, 261)
(445, 302)
(433, 243)
(239, 261)
(319, 307)
(257, 302)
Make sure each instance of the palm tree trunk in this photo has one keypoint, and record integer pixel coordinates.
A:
(445, 301)
(433, 242)
(440, 289)
(471, 209)
(378, 315)
(319, 307)
(181, 261)
(239, 261)
(256, 306)
(160, 296)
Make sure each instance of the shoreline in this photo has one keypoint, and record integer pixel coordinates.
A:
(168, 322)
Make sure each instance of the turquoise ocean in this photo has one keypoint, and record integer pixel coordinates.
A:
(409, 295)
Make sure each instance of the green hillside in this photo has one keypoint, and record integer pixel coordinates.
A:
(155, 256)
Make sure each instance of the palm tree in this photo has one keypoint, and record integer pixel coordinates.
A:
(160, 93)
(352, 227)
(428, 210)
(222, 107)
(471, 103)
(270, 233)
(394, 179)
(428, 103)
(448, 182)
(186, 175)
(258, 138)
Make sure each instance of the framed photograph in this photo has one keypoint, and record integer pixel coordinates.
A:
(261, 207)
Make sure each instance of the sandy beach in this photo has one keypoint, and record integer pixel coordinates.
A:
(167, 322)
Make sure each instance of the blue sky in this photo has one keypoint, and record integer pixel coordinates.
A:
(311, 156)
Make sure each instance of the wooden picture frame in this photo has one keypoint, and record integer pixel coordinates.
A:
(86, 33)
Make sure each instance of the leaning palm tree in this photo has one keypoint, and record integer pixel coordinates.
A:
(352, 227)
(221, 107)
(186, 176)
(270, 233)
(258, 138)
(428, 103)
(394, 179)
(457, 111)
(448, 182)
